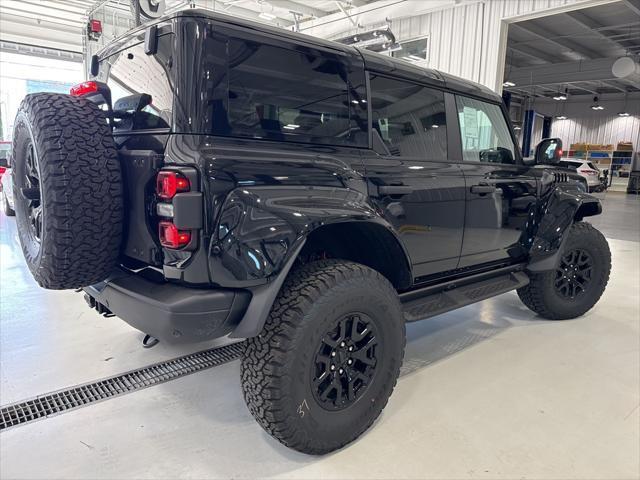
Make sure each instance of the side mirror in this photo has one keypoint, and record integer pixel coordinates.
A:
(497, 155)
(548, 151)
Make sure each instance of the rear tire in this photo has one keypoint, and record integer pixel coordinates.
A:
(68, 190)
(6, 208)
(328, 313)
(579, 281)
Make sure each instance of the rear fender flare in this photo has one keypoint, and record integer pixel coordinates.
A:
(262, 230)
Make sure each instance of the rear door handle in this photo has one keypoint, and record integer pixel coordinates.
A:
(483, 189)
(395, 189)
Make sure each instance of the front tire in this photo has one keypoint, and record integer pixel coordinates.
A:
(328, 357)
(578, 282)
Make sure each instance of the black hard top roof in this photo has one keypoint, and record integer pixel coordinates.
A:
(372, 61)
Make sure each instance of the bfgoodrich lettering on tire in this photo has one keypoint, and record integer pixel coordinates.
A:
(328, 357)
(68, 190)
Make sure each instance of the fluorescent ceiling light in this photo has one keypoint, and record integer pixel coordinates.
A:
(267, 16)
(561, 117)
(508, 84)
(623, 114)
(597, 106)
(291, 126)
(517, 128)
(560, 96)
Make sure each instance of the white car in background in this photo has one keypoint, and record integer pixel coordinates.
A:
(586, 169)
(6, 192)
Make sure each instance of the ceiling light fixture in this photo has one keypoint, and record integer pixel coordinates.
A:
(561, 117)
(624, 114)
(560, 96)
(508, 84)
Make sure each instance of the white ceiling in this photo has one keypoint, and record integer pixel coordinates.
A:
(60, 23)
(574, 51)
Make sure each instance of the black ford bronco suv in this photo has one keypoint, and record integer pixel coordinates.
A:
(218, 177)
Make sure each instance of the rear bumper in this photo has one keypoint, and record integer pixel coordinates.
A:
(169, 312)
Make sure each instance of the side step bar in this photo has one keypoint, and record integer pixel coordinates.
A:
(434, 300)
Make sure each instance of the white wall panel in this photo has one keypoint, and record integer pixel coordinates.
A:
(464, 39)
(609, 129)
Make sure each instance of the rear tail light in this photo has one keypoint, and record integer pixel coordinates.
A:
(168, 183)
(2, 170)
(588, 172)
(171, 237)
(84, 88)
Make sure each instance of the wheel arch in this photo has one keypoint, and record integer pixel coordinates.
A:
(557, 212)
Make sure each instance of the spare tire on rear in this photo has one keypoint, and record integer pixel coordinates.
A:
(68, 190)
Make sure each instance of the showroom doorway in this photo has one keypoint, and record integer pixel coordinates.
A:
(575, 74)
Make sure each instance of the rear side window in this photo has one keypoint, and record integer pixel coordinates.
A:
(131, 72)
(289, 95)
(408, 118)
(570, 165)
(485, 133)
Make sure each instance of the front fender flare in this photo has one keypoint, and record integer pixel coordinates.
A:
(561, 207)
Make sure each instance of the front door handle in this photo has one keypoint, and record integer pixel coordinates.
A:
(483, 189)
(395, 189)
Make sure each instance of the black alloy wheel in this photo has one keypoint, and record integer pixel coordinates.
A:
(345, 362)
(573, 275)
(29, 194)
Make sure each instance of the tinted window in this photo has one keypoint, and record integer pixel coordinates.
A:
(566, 164)
(132, 72)
(484, 131)
(281, 94)
(409, 118)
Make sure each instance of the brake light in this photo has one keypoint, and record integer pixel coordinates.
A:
(168, 183)
(84, 88)
(588, 172)
(560, 152)
(2, 170)
(171, 237)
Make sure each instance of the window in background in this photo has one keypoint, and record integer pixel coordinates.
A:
(412, 50)
(409, 118)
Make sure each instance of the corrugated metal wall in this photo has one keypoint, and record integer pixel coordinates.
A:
(598, 129)
(465, 40)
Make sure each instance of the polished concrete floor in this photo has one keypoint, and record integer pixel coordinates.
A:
(488, 391)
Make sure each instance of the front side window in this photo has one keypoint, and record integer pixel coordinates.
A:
(140, 84)
(484, 131)
(409, 119)
(281, 94)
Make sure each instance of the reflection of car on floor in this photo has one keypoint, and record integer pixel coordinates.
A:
(586, 169)
(6, 192)
(304, 195)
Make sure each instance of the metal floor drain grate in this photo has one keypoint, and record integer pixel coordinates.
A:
(75, 397)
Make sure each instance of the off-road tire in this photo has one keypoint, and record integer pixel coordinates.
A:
(276, 364)
(541, 296)
(6, 208)
(77, 242)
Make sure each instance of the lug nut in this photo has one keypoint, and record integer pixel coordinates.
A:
(333, 354)
(342, 344)
(349, 362)
(341, 371)
(351, 348)
(333, 367)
